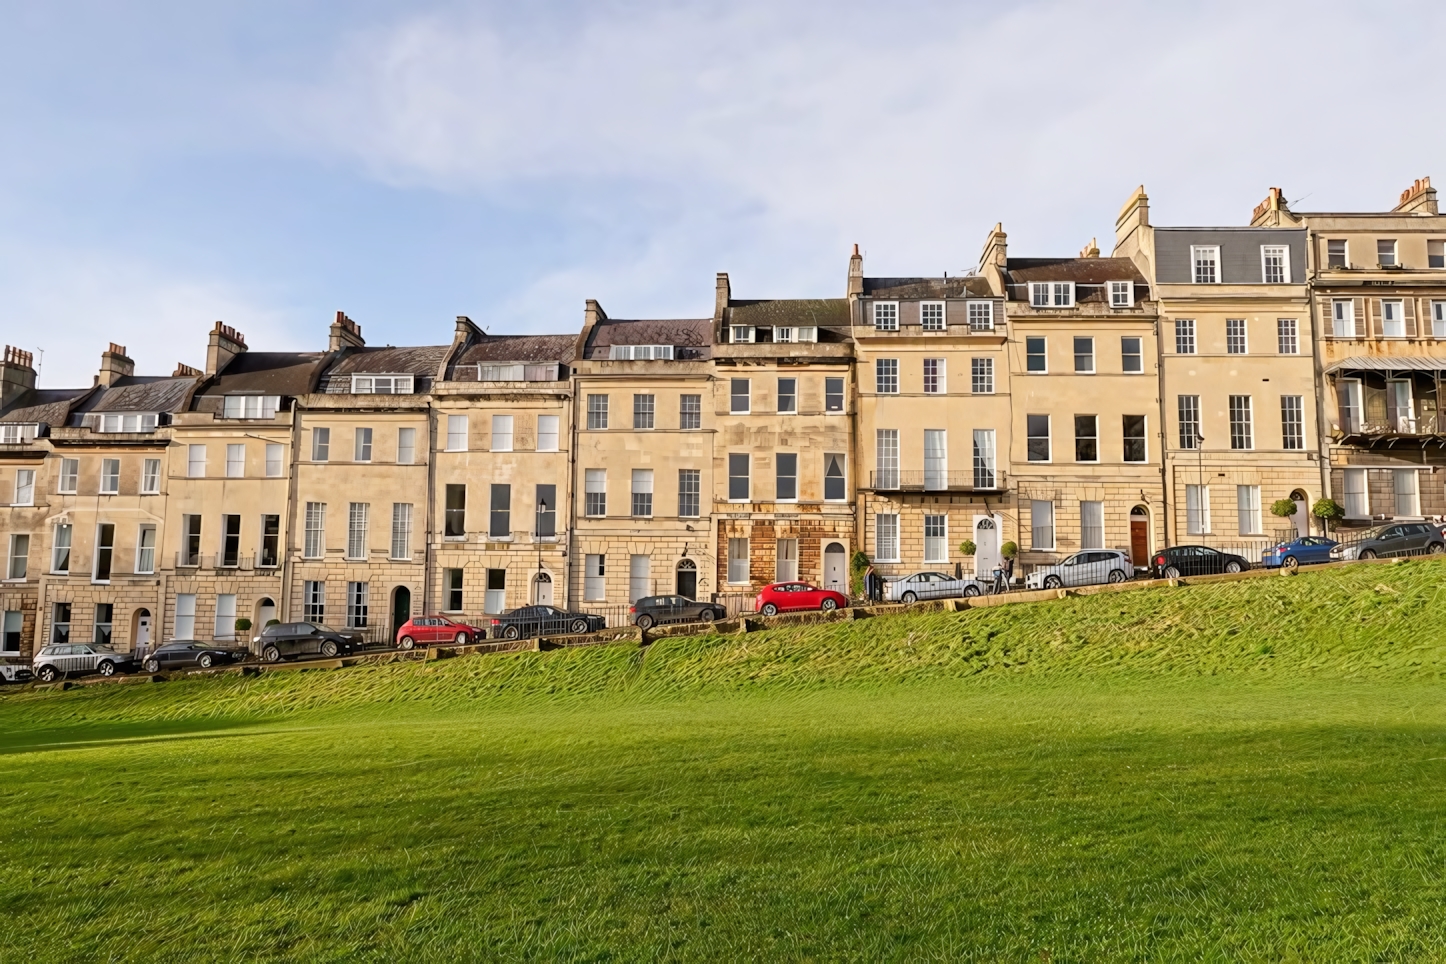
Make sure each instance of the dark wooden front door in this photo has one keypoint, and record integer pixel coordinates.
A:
(1140, 542)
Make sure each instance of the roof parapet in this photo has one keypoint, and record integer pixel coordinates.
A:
(1419, 198)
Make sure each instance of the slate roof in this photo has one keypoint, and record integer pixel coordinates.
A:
(139, 393)
(421, 362)
(926, 288)
(691, 337)
(1090, 276)
(831, 315)
(269, 373)
(47, 406)
(527, 349)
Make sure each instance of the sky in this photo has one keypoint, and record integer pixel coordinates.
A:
(168, 165)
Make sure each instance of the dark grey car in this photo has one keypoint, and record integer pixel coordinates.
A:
(651, 610)
(289, 640)
(1396, 539)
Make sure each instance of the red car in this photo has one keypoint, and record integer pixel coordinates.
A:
(426, 630)
(783, 596)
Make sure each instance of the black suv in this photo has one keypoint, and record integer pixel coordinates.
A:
(184, 653)
(289, 640)
(544, 621)
(1179, 561)
(651, 610)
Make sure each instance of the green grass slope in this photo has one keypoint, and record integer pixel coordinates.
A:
(1242, 771)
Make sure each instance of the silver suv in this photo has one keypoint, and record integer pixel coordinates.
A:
(61, 659)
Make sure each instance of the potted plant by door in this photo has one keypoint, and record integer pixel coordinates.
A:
(967, 548)
(1327, 511)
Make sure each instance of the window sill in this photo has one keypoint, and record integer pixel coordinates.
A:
(16, 581)
(506, 538)
(454, 538)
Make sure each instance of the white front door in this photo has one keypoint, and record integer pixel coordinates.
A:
(542, 590)
(1301, 518)
(143, 631)
(986, 547)
(834, 567)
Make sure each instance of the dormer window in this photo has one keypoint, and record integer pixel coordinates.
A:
(931, 315)
(250, 406)
(641, 353)
(981, 316)
(1051, 294)
(886, 315)
(1205, 260)
(1122, 294)
(18, 433)
(381, 384)
(788, 335)
(130, 422)
(741, 334)
(1275, 264)
(1386, 253)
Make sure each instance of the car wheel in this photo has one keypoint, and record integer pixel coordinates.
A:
(48, 674)
(909, 597)
(205, 661)
(1436, 548)
(511, 632)
(579, 626)
(1290, 562)
(645, 621)
(1172, 572)
(1117, 575)
(1368, 554)
(828, 605)
(152, 666)
(769, 609)
(106, 668)
(1053, 582)
(328, 648)
(971, 591)
(271, 655)
(462, 639)
(716, 615)
(1233, 566)
(407, 642)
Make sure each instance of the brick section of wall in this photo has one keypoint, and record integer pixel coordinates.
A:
(813, 529)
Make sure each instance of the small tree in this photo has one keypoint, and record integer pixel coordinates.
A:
(1327, 511)
(1009, 550)
(1285, 508)
(967, 547)
(858, 562)
(243, 625)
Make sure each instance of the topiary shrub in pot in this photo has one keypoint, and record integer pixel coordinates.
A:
(1328, 511)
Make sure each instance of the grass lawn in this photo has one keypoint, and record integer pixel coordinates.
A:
(1248, 771)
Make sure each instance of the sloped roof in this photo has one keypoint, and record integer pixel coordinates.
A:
(796, 312)
(269, 373)
(1092, 273)
(684, 333)
(975, 287)
(420, 360)
(47, 406)
(536, 349)
(142, 393)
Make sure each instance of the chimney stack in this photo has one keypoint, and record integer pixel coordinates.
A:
(856, 273)
(115, 364)
(1135, 214)
(225, 344)
(996, 249)
(17, 376)
(1419, 198)
(345, 333)
(1091, 250)
(722, 294)
(185, 371)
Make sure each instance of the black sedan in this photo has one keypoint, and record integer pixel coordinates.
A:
(544, 621)
(674, 609)
(288, 640)
(1178, 561)
(185, 654)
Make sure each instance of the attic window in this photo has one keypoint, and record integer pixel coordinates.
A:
(18, 433)
(981, 316)
(501, 373)
(381, 384)
(642, 353)
(1051, 294)
(886, 315)
(741, 334)
(1122, 294)
(129, 423)
(809, 333)
(250, 406)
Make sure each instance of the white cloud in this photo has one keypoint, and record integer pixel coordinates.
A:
(71, 305)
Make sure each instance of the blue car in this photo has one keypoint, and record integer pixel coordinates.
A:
(1304, 551)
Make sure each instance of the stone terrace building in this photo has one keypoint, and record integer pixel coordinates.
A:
(644, 472)
(933, 420)
(783, 403)
(1378, 281)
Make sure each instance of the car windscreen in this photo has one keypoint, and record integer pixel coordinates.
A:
(318, 627)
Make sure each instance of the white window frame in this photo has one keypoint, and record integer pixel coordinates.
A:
(985, 476)
(1241, 332)
(886, 376)
(981, 375)
(1197, 509)
(1411, 494)
(1091, 524)
(12, 556)
(1438, 319)
(358, 522)
(740, 334)
(1048, 438)
(185, 615)
(747, 396)
(1076, 354)
(1356, 499)
(19, 433)
(1345, 253)
(361, 444)
(381, 385)
(1395, 253)
(145, 554)
(1199, 252)
(1039, 294)
(1139, 355)
(547, 433)
(502, 433)
(314, 541)
(1043, 355)
(1400, 322)
(275, 460)
(1343, 327)
(69, 480)
(1248, 435)
(936, 459)
(925, 308)
(981, 308)
(595, 482)
(57, 545)
(235, 460)
(885, 315)
(1185, 336)
(24, 487)
(886, 537)
(594, 578)
(739, 565)
(457, 433)
(936, 547)
(1287, 336)
(1284, 251)
(1122, 294)
(1247, 510)
(1042, 525)
(195, 461)
(642, 485)
(640, 576)
(250, 406)
(886, 458)
(321, 445)
(1297, 402)
(401, 530)
(128, 422)
(110, 476)
(939, 377)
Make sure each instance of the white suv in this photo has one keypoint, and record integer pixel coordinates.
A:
(61, 659)
(1086, 568)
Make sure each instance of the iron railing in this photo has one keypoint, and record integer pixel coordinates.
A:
(926, 480)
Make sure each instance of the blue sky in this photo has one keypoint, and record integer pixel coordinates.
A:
(170, 164)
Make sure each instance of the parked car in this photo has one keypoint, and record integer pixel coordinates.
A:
(1179, 561)
(1303, 551)
(15, 673)
(1088, 568)
(1396, 539)
(426, 630)
(545, 621)
(75, 659)
(651, 610)
(784, 596)
(185, 653)
(928, 585)
(287, 640)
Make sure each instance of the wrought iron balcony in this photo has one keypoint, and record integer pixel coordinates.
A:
(927, 480)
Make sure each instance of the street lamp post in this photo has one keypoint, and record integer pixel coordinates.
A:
(537, 537)
(1199, 480)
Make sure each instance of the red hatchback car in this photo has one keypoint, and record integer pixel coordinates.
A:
(427, 630)
(783, 596)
